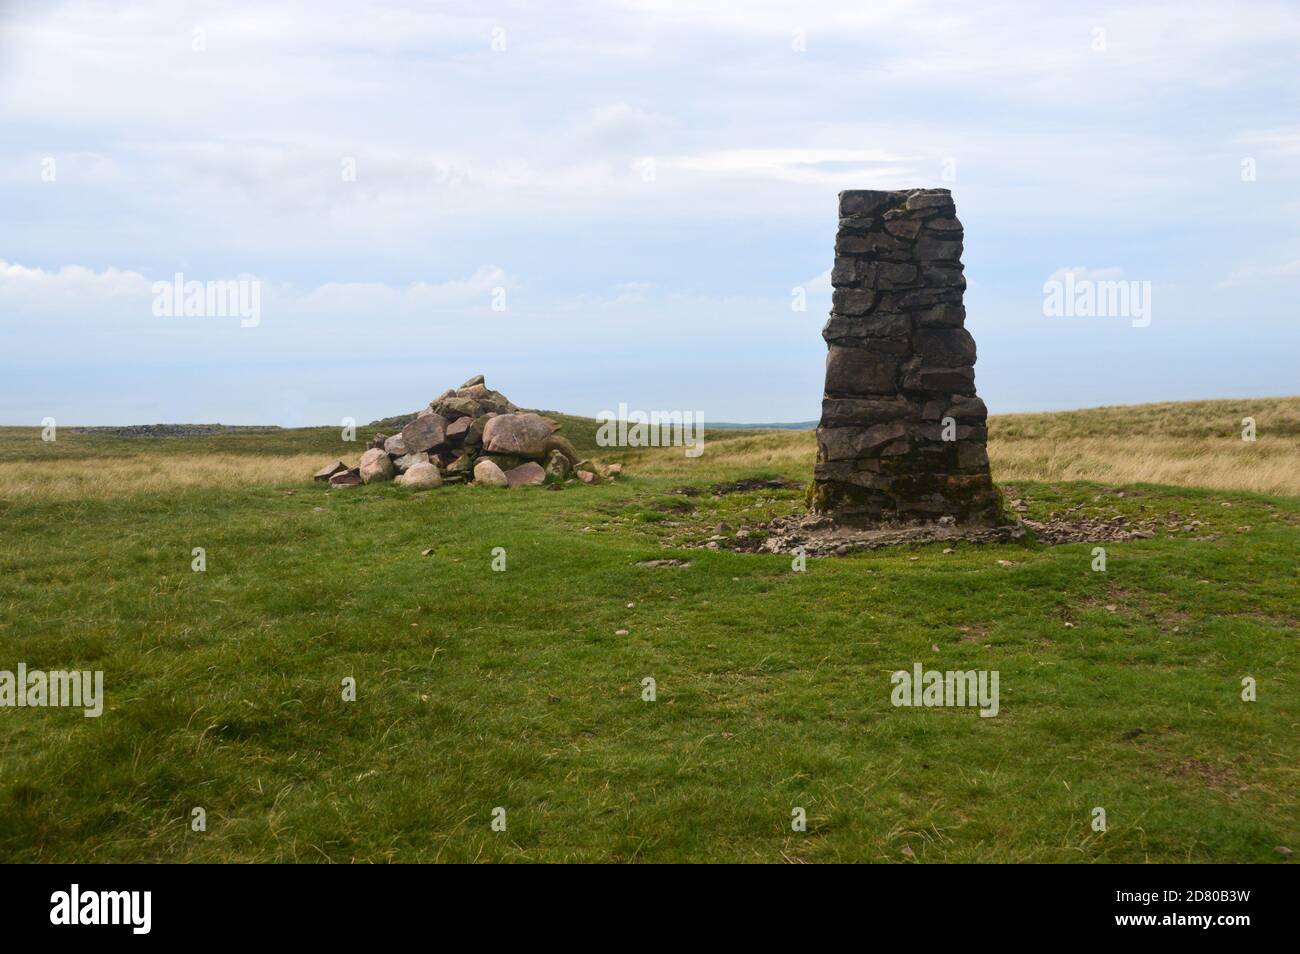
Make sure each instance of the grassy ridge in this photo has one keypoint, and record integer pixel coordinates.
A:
(479, 689)
(1275, 418)
(1196, 444)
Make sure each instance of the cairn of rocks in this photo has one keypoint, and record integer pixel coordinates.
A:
(902, 433)
(470, 434)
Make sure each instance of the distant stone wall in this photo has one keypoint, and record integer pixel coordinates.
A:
(902, 433)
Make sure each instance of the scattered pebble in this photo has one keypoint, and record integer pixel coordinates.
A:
(620, 632)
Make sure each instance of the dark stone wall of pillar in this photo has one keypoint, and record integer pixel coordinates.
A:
(902, 433)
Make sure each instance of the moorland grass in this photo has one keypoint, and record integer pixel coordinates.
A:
(478, 689)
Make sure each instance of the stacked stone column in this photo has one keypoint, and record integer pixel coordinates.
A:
(902, 432)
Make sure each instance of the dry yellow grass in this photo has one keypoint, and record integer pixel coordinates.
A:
(1186, 443)
(1266, 466)
(1190, 444)
(1139, 448)
(772, 451)
(145, 473)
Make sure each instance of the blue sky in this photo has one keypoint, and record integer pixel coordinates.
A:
(648, 181)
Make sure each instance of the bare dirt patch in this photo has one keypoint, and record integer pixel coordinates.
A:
(975, 633)
(1220, 778)
(818, 535)
(742, 486)
(1074, 528)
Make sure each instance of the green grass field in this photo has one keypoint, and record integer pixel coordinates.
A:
(478, 689)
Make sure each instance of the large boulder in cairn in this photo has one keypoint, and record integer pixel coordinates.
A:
(461, 469)
(407, 461)
(520, 434)
(464, 463)
(558, 442)
(426, 432)
(526, 475)
(350, 477)
(421, 477)
(476, 389)
(558, 467)
(376, 465)
(504, 461)
(329, 470)
(458, 428)
(451, 408)
(487, 399)
(498, 402)
(488, 474)
(395, 446)
(474, 436)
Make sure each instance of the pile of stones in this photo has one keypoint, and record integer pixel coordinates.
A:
(902, 432)
(470, 434)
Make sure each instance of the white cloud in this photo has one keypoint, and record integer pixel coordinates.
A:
(777, 17)
(20, 284)
(1251, 274)
(371, 297)
(44, 291)
(1282, 142)
(846, 168)
(228, 161)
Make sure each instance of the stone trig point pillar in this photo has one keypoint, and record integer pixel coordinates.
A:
(902, 433)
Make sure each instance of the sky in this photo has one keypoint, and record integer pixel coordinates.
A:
(611, 203)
